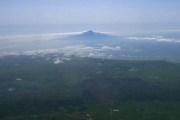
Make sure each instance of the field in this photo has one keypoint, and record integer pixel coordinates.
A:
(37, 87)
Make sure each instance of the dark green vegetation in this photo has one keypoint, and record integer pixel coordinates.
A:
(84, 88)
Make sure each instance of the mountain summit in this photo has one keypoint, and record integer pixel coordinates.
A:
(90, 32)
(89, 35)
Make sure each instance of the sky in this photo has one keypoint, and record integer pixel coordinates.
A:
(58, 12)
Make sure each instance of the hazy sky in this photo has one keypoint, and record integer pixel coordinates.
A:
(40, 12)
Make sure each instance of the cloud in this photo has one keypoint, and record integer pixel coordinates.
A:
(48, 59)
(2, 53)
(35, 37)
(100, 54)
(40, 52)
(96, 55)
(136, 50)
(155, 38)
(57, 62)
(88, 48)
(78, 50)
(66, 58)
(33, 53)
(18, 79)
(74, 48)
(111, 48)
(89, 51)
(106, 48)
(91, 55)
(11, 89)
(110, 56)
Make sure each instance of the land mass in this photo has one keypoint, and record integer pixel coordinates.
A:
(39, 87)
(89, 35)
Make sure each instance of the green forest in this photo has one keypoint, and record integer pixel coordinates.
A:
(35, 88)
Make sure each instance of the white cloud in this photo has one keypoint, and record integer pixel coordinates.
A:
(100, 54)
(155, 38)
(111, 48)
(74, 48)
(66, 58)
(36, 52)
(2, 54)
(57, 62)
(136, 50)
(91, 55)
(36, 37)
(33, 52)
(106, 48)
(11, 89)
(79, 50)
(18, 79)
(48, 59)
(117, 48)
(88, 48)
(100, 64)
(96, 54)
(110, 56)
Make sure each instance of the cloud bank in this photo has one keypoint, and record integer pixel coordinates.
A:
(78, 50)
(154, 38)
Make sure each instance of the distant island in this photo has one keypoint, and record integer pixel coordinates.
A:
(89, 35)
